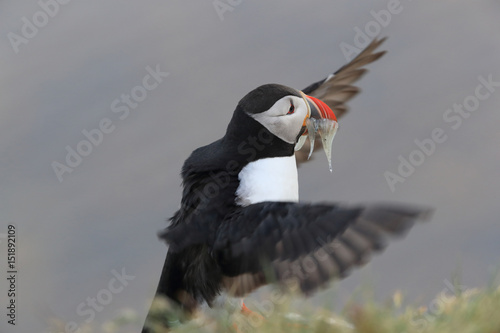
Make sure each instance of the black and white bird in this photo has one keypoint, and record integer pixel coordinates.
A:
(241, 225)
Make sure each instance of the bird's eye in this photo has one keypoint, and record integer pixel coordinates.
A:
(292, 109)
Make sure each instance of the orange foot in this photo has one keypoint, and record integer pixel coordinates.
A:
(246, 311)
(254, 316)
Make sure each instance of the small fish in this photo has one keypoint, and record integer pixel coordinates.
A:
(327, 128)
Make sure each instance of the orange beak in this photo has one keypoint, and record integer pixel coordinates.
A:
(317, 110)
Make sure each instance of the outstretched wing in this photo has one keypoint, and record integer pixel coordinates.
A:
(337, 89)
(311, 244)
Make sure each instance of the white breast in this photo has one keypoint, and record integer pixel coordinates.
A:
(269, 179)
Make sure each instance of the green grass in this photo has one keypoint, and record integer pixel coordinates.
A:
(472, 311)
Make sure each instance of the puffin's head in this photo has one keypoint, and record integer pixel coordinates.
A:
(291, 115)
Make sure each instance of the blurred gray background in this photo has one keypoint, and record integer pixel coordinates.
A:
(65, 76)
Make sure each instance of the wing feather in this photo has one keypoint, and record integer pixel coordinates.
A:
(308, 243)
(337, 89)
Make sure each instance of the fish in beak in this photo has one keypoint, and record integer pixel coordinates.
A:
(321, 120)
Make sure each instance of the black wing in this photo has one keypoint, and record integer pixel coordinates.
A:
(337, 89)
(311, 244)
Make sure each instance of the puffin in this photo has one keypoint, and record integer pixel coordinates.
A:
(241, 225)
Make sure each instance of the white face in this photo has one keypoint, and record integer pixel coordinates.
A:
(285, 118)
